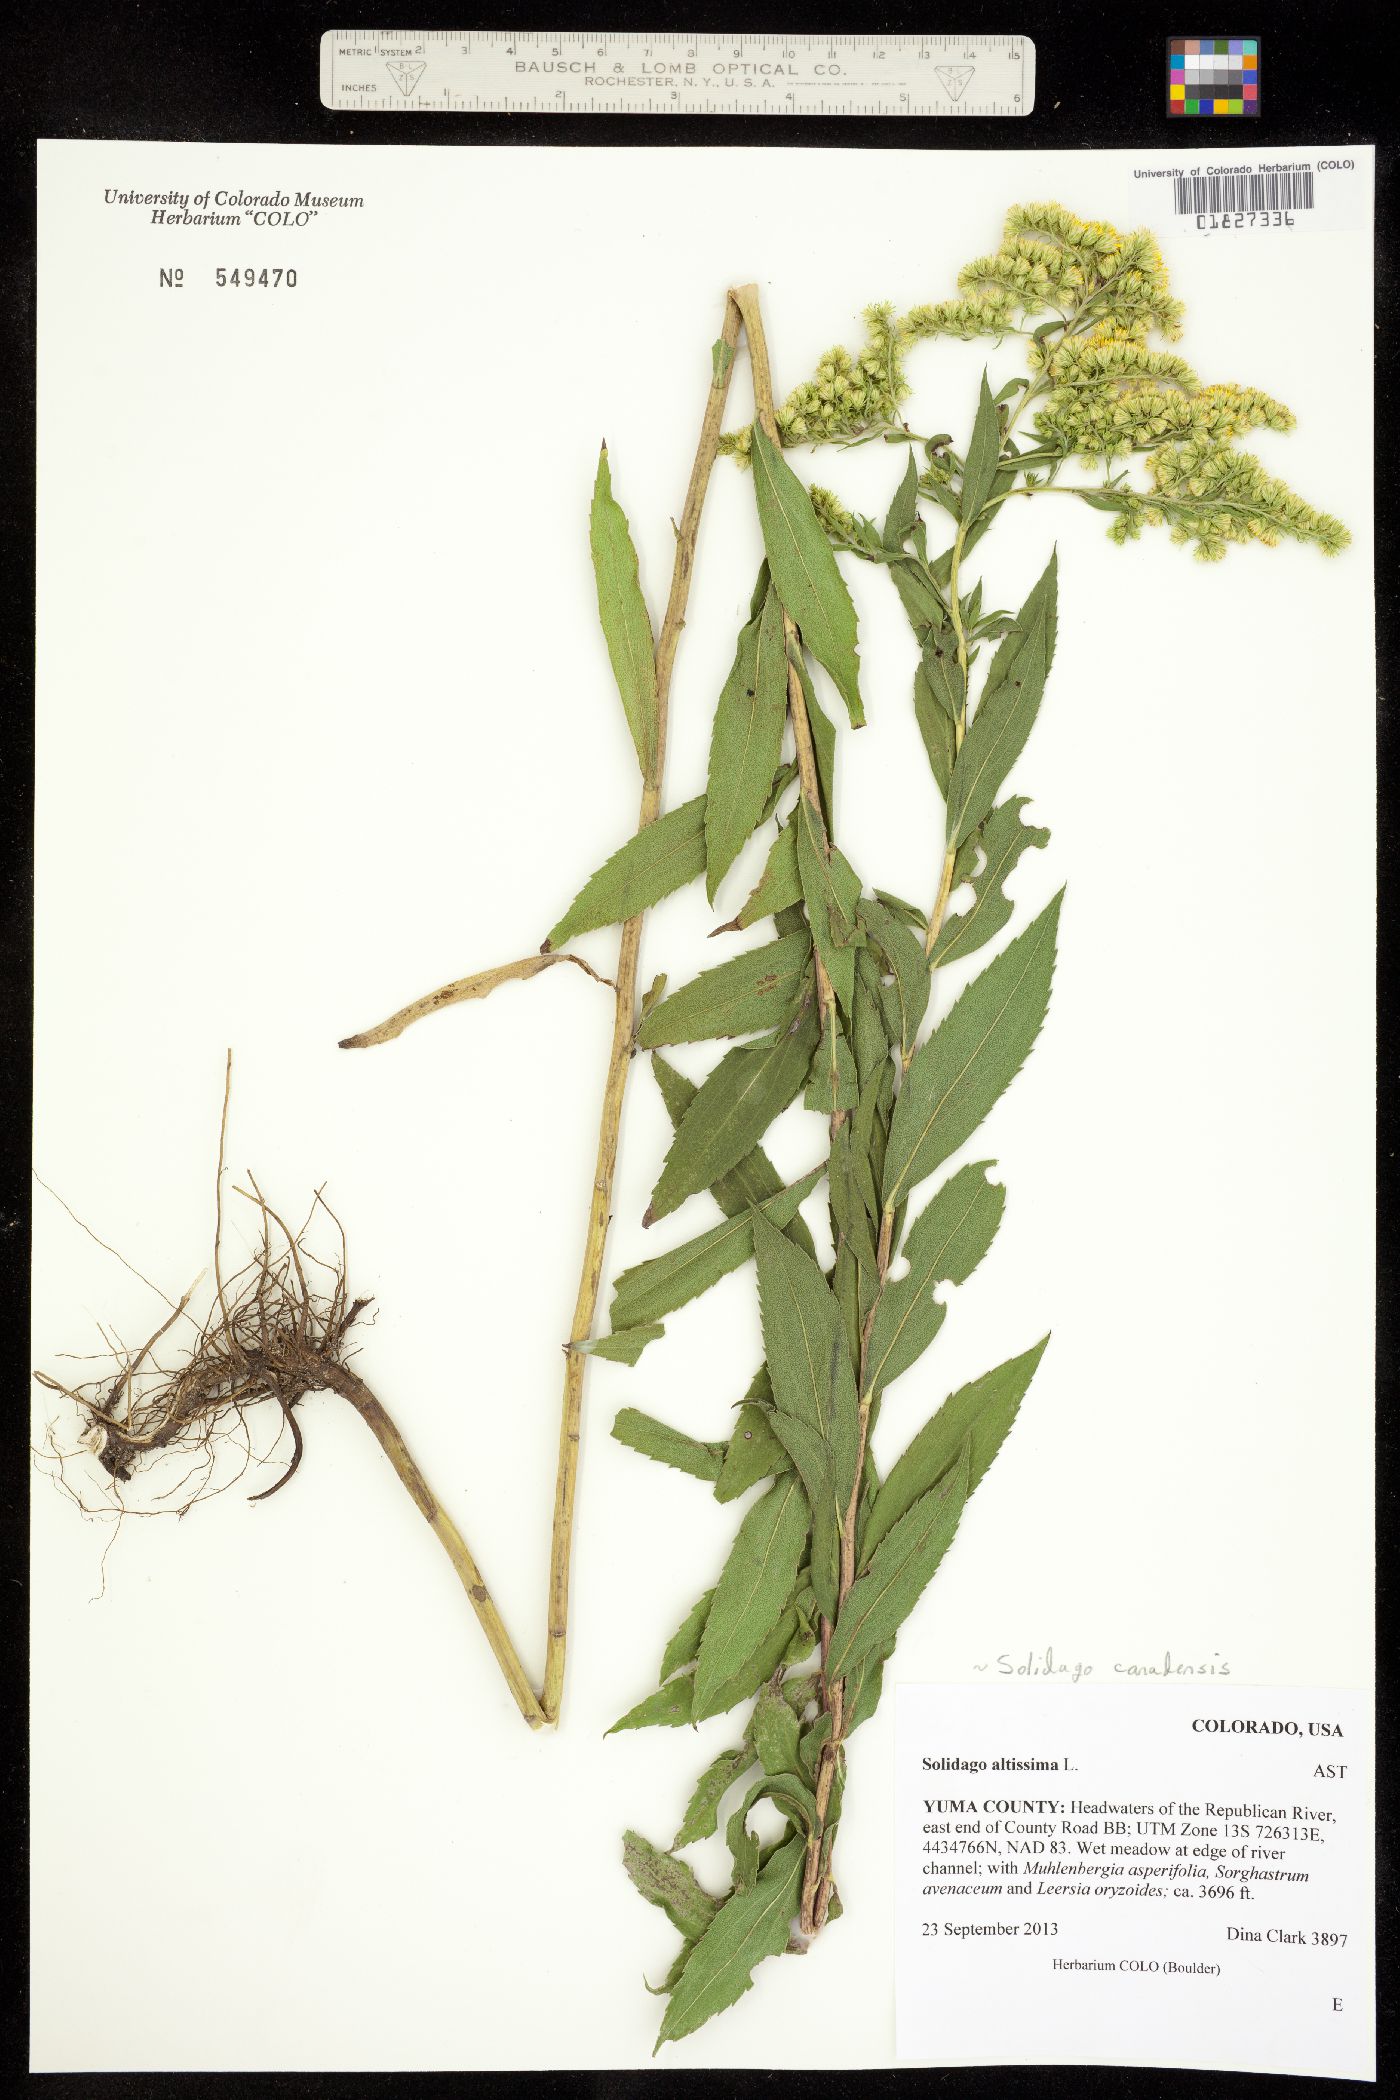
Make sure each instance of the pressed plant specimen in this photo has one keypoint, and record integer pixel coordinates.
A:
(838, 1007)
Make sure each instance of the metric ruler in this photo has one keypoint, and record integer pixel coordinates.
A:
(542, 72)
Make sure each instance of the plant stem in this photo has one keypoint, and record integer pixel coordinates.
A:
(624, 1030)
(340, 1379)
(816, 1879)
(816, 1885)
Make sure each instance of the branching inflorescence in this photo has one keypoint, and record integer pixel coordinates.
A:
(832, 1555)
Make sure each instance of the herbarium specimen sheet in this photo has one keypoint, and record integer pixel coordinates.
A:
(341, 454)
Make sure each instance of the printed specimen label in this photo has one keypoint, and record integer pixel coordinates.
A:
(1170, 1874)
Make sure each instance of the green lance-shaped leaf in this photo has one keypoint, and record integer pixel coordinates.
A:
(777, 887)
(747, 1928)
(833, 1081)
(670, 1707)
(753, 1592)
(804, 570)
(1006, 711)
(621, 1348)
(868, 1132)
(983, 454)
(702, 1810)
(776, 1729)
(865, 1686)
(755, 1452)
(754, 991)
(801, 1325)
(668, 1446)
(816, 1469)
(684, 1644)
(661, 858)
(908, 965)
(823, 737)
(622, 609)
(755, 1178)
(670, 1884)
(869, 1036)
(945, 1244)
(936, 729)
(746, 742)
(851, 1186)
(999, 844)
(903, 514)
(674, 1705)
(816, 1415)
(732, 1110)
(900, 1570)
(743, 1845)
(654, 1288)
(946, 682)
(981, 1414)
(813, 1741)
(919, 596)
(972, 1056)
(788, 1641)
(831, 892)
(683, 1954)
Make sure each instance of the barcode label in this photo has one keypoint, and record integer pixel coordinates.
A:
(1241, 189)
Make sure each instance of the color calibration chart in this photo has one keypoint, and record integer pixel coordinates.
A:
(1213, 76)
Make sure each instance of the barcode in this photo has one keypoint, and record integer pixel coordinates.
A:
(1274, 189)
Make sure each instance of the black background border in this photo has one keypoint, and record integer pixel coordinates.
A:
(161, 70)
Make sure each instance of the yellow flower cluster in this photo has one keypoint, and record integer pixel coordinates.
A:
(991, 312)
(850, 394)
(1210, 494)
(1098, 390)
(1051, 261)
(1111, 395)
(833, 515)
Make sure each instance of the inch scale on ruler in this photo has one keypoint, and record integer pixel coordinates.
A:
(561, 73)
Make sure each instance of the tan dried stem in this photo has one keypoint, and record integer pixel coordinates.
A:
(624, 1032)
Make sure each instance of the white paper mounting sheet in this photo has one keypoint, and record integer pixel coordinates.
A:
(325, 719)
